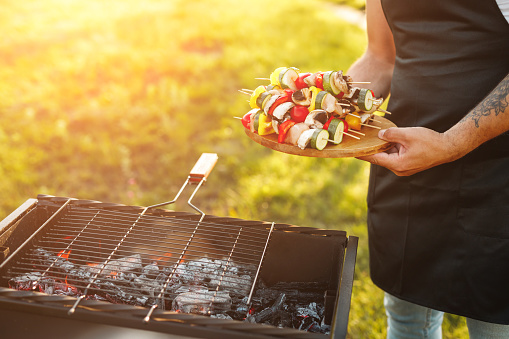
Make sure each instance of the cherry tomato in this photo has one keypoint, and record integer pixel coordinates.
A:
(346, 125)
(246, 119)
(299, 113)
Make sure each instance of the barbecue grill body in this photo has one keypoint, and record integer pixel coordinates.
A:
(294, 254)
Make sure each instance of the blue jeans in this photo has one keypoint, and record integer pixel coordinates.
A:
(407, 321)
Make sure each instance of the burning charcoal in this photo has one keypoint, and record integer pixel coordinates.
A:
(189, 288)
(311, 318)
(151, 271)
(235, 284)
(221, 316)
(152, 288)
(66, 266)
(141, 301)
(130, 263)
(268, 312)
(243, 307)
(28, 281)
(130, 276)
(202, 302)
(309, 324)
(309, 311)
(282, 318)
(184, 274)
(204, 264)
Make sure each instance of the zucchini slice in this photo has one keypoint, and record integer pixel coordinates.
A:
(329, 82)
(365, 99)
(336, 130)
(319, 139)
(287, 78)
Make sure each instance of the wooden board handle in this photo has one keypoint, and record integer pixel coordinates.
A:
(203, 167)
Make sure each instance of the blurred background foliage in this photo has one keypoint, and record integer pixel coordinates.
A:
(116, 100)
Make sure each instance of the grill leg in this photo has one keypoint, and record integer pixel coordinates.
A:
(340, 324)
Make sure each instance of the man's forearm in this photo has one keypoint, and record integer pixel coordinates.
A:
(487, 120)
(375, 70)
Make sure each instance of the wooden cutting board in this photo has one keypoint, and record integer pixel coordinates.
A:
(349, 147)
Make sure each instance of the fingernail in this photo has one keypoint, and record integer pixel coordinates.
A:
(381, 133)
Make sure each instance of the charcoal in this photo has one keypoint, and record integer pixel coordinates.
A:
(151, 271)
(237, 284)
(310, 311)
(221, 316)
(218, 288)
(202, 302)
(267, 313)
(130, 263)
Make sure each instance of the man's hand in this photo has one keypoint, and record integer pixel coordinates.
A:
(416, 149)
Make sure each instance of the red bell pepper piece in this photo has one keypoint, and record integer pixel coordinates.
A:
(288, 92)
(285, 97)
(300, 83)
(326, 125)
(319, 80)
(283, 130)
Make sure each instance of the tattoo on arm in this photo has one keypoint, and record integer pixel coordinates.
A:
(494, 103)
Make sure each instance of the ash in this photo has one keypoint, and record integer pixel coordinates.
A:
(217, 288)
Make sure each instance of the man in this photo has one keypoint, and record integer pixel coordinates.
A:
(438, 201)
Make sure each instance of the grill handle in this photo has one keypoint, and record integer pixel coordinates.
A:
(198, 175)
(203, 167)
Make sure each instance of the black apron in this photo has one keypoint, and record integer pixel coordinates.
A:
(440, 238)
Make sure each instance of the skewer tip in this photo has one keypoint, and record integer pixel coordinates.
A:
(383, 111)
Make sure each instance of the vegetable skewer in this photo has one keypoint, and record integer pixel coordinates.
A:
(310, 109)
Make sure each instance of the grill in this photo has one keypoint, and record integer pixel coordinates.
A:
(78, 267)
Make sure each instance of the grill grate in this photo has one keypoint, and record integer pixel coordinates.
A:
(142, 259)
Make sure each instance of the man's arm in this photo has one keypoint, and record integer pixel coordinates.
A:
(377, 62)
(419, 148)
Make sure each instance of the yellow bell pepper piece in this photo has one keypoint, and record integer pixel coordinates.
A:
(265, 125)
(274, 76)
(258, 90)
(314, 92)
